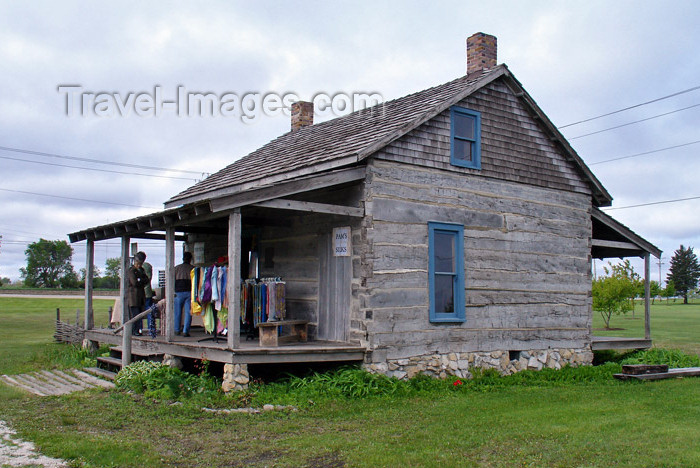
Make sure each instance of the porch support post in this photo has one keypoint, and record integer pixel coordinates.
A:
(124, 280)
(234, 279)
(169, 283)
(647, 296)
(89, 273)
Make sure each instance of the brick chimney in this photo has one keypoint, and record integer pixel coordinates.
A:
(481, 52)
(302, 115)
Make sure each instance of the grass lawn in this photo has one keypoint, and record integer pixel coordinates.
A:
(673, 325)
(27, 326)
(590, 424)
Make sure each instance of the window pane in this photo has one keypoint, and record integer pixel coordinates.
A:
(464, 126)
(444, 252)
(462, 150)
(444, 294)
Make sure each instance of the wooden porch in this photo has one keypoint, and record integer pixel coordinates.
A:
(246, 352)
(611, 239)
(599, 343)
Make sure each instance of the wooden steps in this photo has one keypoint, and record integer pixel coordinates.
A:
(55, 382)
(113, 362)
(109, 363)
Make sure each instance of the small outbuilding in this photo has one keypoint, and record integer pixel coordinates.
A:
(449, 229)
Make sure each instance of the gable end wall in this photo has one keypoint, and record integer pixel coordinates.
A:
(527, 272)
(513, 145)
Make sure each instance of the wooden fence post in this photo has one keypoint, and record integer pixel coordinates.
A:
(126, 344)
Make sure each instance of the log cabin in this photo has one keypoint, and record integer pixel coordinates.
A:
(449, 229)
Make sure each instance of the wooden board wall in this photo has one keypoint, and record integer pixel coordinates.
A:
(514, 146)
(527, 262)
(301, 260)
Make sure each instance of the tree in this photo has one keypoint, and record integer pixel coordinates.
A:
(5, 280)
(654, 290)
(626, 271)
(669, 291)
(112, 270)
(612, 293)
(47, 263)
(685, 271)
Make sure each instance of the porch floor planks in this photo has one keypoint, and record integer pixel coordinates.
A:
(619, 342)
(249, 352)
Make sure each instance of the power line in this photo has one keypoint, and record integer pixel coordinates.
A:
(95, 169)
(630, 107)
(97, 161)
(652, 203)
(77, 199)
(631, 123)
(645, 153)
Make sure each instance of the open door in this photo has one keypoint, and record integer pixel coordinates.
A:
(334, 292)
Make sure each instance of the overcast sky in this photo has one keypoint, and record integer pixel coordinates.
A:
(577, 60)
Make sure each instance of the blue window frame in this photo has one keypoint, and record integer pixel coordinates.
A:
(465, 137)
(446, 271)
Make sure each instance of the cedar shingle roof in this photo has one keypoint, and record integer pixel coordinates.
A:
(349, 139)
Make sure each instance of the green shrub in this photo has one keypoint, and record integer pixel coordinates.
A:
(352, 383)
(670, 357)
(161, 382)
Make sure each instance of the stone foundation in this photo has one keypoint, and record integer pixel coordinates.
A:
(236, 377)
(458, 364)
(172, 361)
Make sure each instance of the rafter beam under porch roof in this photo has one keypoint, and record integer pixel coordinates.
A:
(296, 205)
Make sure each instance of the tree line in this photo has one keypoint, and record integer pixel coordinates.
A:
(49, 266)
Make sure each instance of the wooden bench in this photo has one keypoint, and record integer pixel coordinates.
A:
(269, 335)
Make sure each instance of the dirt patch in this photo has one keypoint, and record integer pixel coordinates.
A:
(331, 460)
(17, 452)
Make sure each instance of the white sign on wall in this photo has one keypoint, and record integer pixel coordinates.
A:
(198, 253)
(341, 241)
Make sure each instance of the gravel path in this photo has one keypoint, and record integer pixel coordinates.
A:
(16, 452)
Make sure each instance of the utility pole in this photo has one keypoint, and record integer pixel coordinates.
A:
(594, 271)
(660, 263)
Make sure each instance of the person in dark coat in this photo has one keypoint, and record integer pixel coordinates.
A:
(135, 295)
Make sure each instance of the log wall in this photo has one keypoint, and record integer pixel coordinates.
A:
(527, 257)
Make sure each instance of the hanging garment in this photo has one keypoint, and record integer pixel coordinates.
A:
(206, 290)
(195, 307)
(214, 280)
(208, 317)
(223, 294)
(202, 275)
(280, 301)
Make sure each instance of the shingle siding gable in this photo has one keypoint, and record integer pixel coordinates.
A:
(514, 147)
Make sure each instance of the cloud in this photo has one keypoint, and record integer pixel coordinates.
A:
(576, 60)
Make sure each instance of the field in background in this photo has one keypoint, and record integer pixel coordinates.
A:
(27, 326)
(673, 325)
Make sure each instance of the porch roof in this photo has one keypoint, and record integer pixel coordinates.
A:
(611, 238)
(201, 216)
(143, 226)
